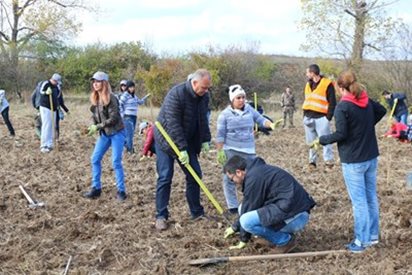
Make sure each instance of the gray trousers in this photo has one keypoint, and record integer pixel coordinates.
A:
(229, 187)
(314, 128)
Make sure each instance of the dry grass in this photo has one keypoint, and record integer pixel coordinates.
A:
(108, 237)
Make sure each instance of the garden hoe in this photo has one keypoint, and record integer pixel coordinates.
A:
(395, 102)
(32, 203)
(191, 171)
(216, 260)
(55, 142)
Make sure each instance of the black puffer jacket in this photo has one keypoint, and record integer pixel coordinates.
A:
(274, 193)
(108, 118)
(183, 116)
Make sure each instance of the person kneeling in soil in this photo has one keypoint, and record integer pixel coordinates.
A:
(108, 123)
(398, 130)
(274, 207)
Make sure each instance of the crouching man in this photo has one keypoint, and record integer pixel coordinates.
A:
(274, 207)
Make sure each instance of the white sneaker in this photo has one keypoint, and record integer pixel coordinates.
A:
(45, 150)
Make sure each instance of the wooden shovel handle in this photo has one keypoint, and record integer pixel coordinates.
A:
(216, 260)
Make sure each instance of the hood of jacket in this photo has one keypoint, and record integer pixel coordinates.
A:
(362, 101)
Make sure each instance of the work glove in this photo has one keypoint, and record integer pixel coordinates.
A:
(184, 157)
(92, 130)
(143, 158)
(240, 245)
(48, 91)
(205, 148)
(229, 232)
(221, 157)
(315, 145)
(276, 124)
(146, 96)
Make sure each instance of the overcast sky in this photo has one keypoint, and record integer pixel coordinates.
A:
(179, 26)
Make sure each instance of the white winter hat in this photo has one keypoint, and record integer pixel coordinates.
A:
(236, 90)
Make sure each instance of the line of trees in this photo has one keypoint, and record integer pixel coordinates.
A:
(32, 35)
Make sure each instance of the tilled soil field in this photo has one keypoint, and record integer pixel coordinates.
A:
(105, 236)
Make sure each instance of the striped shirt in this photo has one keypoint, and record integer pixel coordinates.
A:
(129, 103)
(235, 129)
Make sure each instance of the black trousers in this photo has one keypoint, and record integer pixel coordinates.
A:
(5, 115)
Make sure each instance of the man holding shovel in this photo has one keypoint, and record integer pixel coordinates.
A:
(398, 106)
(48, 104)
(274, 207)
(183, 116)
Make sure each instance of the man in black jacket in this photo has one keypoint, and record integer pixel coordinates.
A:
(183, 116)
(274, 206)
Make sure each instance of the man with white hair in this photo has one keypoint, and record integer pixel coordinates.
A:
(48, 111)
(183, 116)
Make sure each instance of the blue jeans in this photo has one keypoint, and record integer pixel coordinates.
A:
(360, 180)
(251, 223)
(229, 187)
(164, 167)
(116, 141)
(130, 126)
(403, 118)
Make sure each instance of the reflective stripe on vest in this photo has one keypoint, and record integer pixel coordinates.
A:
(316, 100)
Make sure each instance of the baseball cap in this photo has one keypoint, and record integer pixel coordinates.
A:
(143, 126)
(123, 82)
(100, 76)
(56, 77)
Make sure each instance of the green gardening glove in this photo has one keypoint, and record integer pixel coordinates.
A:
(184, 157)
(315, 145)
(92, 130)
(221, 157)
(229, 232)
(205, 148)
(146, 96)
(276, 124)
(240, 245)
(48, 91)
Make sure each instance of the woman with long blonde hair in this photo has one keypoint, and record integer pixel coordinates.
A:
(108, 122)
(355, 118)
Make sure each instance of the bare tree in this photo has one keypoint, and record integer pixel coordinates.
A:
(24, 21)
(398, 66)
(348, 29)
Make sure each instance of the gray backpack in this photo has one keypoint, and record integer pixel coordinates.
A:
(36, 95)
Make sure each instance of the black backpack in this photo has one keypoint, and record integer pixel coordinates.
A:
(36, 95)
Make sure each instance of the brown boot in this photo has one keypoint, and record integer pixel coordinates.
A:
(285, 248)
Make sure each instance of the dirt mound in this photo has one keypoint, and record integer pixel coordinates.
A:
(106, 236)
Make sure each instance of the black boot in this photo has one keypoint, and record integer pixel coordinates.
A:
(93, 193)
